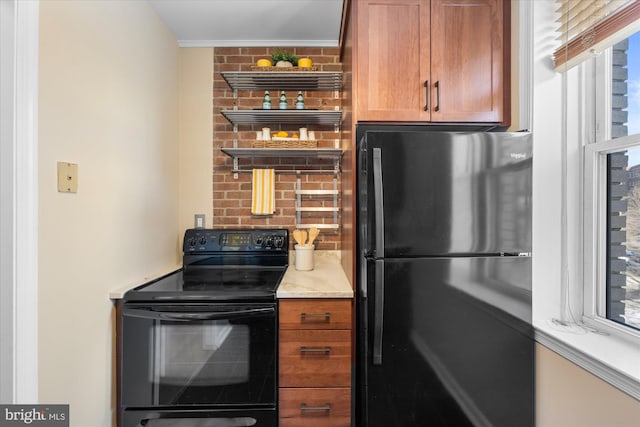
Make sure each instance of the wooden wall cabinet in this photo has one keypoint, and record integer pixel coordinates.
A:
(443, 61)
(315, 363)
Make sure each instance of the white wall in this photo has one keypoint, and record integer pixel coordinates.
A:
(196, 135)
(109, 80)
(547, 166)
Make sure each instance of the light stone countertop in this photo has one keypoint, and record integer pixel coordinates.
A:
(119, 292)
(326, 280)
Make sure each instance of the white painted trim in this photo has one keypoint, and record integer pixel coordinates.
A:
(257, 43)
(592, 192)
(26, 208)
(602, 70)
(525, 59)
(7, 192)
(595, 226)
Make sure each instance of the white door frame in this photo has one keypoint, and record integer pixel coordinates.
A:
(19, 201)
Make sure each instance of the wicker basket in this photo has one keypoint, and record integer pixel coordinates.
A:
(256, 68)
(284, 144)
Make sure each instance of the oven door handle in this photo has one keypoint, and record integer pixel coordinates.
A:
(217, 421)
(148, 313)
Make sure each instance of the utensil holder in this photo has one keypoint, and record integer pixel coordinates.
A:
(304, 257)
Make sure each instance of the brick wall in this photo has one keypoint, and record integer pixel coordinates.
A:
(232, 197)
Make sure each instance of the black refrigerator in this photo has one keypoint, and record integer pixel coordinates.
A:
(444, 335)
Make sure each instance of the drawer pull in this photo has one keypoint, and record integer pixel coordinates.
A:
(325, 351)
(326, 407)
(324, 317)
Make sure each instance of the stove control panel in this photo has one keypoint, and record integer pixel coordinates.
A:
(247, 240)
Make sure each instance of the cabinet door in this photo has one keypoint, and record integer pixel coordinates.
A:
(392, 60)
(467, 48)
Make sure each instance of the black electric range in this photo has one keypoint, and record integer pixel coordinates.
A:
(223, 265)
(199, 345)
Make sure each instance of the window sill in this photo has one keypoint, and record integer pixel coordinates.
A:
(610, 358)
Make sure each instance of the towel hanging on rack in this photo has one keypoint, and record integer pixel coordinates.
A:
(263, 194)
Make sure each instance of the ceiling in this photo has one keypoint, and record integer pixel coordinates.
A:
(211, 23)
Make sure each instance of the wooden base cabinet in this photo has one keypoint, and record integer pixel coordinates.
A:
(315, 363)
(315, 407)
(442, 61)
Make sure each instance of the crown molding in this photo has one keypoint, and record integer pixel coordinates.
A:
(257, 43)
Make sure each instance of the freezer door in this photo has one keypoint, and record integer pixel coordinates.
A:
(448, 343)
(440, 193)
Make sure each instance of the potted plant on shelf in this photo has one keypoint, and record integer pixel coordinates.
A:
(282, 58)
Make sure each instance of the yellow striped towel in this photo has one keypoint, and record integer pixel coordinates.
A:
(263, 195)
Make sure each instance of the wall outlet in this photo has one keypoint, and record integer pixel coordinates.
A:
(199, 221)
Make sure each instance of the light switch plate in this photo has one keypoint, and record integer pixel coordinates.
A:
(199, 221)
(67, 177)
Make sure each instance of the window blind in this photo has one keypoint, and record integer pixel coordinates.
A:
(586, 27)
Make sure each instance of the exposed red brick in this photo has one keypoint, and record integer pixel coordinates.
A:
(232, 197)
(226, 51)
(255, 51)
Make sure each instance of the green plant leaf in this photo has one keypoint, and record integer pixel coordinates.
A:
(283, 55)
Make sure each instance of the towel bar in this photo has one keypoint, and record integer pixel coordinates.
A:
(323, 226)
(318, 192)
(291, 171)
(318, 209)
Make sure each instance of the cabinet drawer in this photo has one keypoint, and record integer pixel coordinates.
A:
(315, 407)
(315, 358)
(315, 314)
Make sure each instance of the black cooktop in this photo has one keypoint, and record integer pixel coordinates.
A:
(254, 284)
(222, 265)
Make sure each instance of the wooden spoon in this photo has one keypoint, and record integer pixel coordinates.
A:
(313, 233)
(303, 233)
(297, 236)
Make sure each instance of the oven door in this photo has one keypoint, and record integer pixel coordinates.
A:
(214, 355)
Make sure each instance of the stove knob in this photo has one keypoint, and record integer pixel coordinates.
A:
(269, 241)
(203, 240)
(259, 241)
(279, 241)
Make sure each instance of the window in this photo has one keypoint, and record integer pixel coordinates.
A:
(612, 190)
(623, 277)
(575, 120)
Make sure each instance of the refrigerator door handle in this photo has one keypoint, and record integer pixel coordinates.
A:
(364, 280)
(378, 192)
(378, 313)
